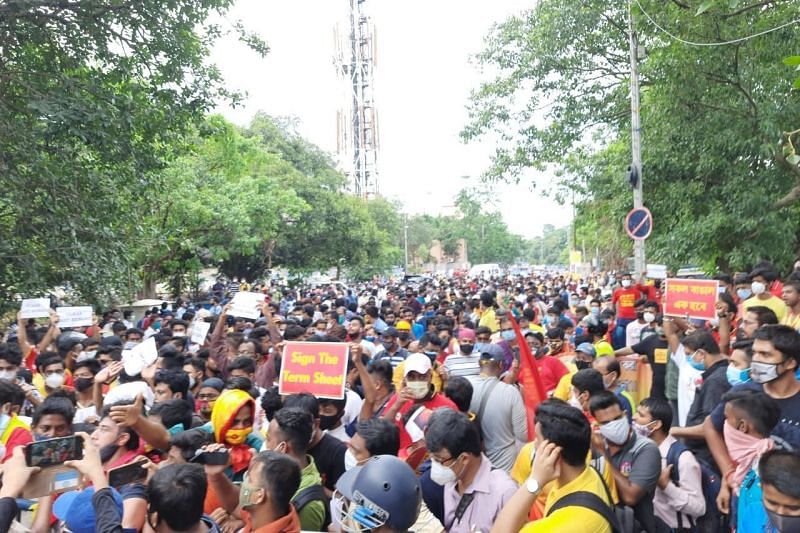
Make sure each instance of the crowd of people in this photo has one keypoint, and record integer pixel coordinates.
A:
(643, 422)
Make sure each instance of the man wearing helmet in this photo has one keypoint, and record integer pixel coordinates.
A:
(381, 496)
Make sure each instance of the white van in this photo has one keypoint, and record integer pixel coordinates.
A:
(485, 270)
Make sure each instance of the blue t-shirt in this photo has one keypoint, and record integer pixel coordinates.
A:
(786, 433)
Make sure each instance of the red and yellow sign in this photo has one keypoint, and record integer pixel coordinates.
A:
(317, 368)
(696, 298)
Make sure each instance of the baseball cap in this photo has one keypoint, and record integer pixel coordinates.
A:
(76, 510)
(417, 362)
(493, 352)
(587, 348)
(390, 332)
(403, 325)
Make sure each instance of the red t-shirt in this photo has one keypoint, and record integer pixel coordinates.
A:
(437, 401)
(551, 370)
(19, 437)
(625, 300)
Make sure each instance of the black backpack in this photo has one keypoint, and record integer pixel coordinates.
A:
(312, 494)
(590, 501)
(710, 481)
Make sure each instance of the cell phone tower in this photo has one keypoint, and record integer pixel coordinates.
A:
(357, 119)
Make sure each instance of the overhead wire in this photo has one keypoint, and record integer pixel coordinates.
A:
(719, 43)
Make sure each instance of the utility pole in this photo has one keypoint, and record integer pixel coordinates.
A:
(636, 137)
(405, 243)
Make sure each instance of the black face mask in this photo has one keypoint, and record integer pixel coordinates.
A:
(466, 349)
(328, 421)
(82, 384)
(581, 365)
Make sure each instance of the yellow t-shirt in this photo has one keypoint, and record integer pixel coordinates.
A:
(773, 302)
(791, 320)
(573, 518)
(489, 319)
(522, 470)
(564, 388)
(603, 348)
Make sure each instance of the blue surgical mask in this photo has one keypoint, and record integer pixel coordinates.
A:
(508, 335)
(736, 376)
(478, 347)
(744, 294)
(595, 310)
(701, 365)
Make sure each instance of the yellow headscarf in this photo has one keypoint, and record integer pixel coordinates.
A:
(226, 407)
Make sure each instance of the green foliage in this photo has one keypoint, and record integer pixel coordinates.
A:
(718, 168)
(95, 98)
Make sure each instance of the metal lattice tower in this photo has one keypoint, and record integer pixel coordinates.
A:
(357, 121)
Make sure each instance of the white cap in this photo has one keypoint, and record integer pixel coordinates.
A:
(417, 362)
(129, 391)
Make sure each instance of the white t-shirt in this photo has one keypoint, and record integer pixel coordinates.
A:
(369, 348)
(689, 379)
(352, 408)
(633, 331)
(339, 433)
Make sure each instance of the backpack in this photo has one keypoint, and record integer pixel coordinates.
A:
(592, 502)
(710, 482)
(312, 494)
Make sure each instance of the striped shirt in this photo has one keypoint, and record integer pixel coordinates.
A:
(463, 365)
(395, 359)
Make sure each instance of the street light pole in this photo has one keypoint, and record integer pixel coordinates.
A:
(636, 137)
(405, 243)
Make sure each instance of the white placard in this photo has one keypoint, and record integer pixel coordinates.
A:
(73, 317)
(35, 308)
(142, 355)
(246, 305)
(657, 271)
(200, 331)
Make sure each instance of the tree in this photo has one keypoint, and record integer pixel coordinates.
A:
(95, 98)
(222, 204)
(715, 172)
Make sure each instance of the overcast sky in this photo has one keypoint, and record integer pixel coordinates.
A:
(423, 80)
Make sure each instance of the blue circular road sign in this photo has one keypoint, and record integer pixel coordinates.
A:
(639, 223)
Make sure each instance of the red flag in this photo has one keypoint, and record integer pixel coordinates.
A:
(533, 392)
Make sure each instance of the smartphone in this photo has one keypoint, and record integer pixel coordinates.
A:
(54, 452)
(127, 474)
(219, 457)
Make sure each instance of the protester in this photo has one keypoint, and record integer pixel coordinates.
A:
(428, 423)
(459, 465)
(499, 410)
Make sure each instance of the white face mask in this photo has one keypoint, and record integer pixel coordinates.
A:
(8, 375)
(54, 381)
(350, 460)
(758, 288)
(441, 475)
(192, 382)
(576, 403)
(649, 317)
(626, 283)
(419, 389)
(616, 431)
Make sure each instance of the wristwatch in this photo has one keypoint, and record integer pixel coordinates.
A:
(533, 486)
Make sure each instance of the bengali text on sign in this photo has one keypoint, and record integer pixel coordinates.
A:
(696, 298)
(318, 368)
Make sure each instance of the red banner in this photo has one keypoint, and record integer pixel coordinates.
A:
(533, 392)
(695, 298)
(317, 368)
